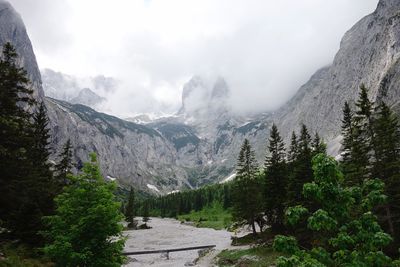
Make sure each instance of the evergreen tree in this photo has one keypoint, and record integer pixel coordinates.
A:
(25, 180)
(293, 149)
(64, 167)
(39, 183)
(130, 209)
(364, 122)
(146, 212)
(86, 229)
(246, 188)
(387, 167)
(302, 169)
(318, 146)
(358, 139)
(275, 180)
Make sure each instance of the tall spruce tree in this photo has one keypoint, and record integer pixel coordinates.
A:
(39, 183)
(64, 167)
(318, 146)
(364, 129)
(275, 180)
(246, 192)
(25, 176)
(387, 167)
(293, 149)
(130, 209)
(302, 168)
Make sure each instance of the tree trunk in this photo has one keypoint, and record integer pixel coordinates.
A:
(389, 220)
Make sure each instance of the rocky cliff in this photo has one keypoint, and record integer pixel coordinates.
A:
(369, 54)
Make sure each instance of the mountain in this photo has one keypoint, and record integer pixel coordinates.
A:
(199, 145)
(369, 54)
(87, 97)
(86, 91)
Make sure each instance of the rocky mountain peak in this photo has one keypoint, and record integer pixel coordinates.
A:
(202, 97)
(13, 30)
(220, 89)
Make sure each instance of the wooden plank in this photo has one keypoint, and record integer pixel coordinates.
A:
(166, 250)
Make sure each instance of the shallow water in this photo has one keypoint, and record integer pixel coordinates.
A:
(170, 233)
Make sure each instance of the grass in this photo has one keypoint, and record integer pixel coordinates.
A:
(21, 256)
(260, 256)
(209, 217)
(265, 237)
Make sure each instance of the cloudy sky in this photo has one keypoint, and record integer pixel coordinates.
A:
(265, 49)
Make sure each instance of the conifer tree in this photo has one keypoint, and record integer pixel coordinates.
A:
(39, 182)
(364, 130)
(302, 169)
(387, 167)
(130, 209)
(64, 167)
(246, 191)
(358, 139)
(275, 180)
(21, 162)
(293, 149)
(318, 146)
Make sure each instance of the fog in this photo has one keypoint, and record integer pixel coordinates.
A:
(265, 49)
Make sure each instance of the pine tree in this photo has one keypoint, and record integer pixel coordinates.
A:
(302, 169)
(347, 163)
(146, 212)
(275, 180)
(364, 132)
(21, 163)
(130, 209)
(246, 191)
(358, 139)
(39, 183)
(387, 167)
(64, 167)
(318, 146)
(293, 150)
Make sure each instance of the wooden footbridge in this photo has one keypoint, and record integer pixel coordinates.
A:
(167, 251)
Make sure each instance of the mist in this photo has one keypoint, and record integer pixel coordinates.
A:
(265, 50)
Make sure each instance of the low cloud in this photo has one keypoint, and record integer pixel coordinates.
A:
(264, 49)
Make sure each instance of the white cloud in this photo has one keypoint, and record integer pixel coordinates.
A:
(264, 48)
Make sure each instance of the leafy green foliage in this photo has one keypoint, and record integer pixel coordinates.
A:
(345, 231)
(86, 229)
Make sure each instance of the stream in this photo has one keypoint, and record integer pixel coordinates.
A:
(168, 234)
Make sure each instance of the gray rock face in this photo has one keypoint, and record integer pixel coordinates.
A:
(12, 29)
(369, 54)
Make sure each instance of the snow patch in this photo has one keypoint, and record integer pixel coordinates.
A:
(222, 161)
(229, 178)
(153, 187)
(111, 178)
(173, 192)
(209, 162)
